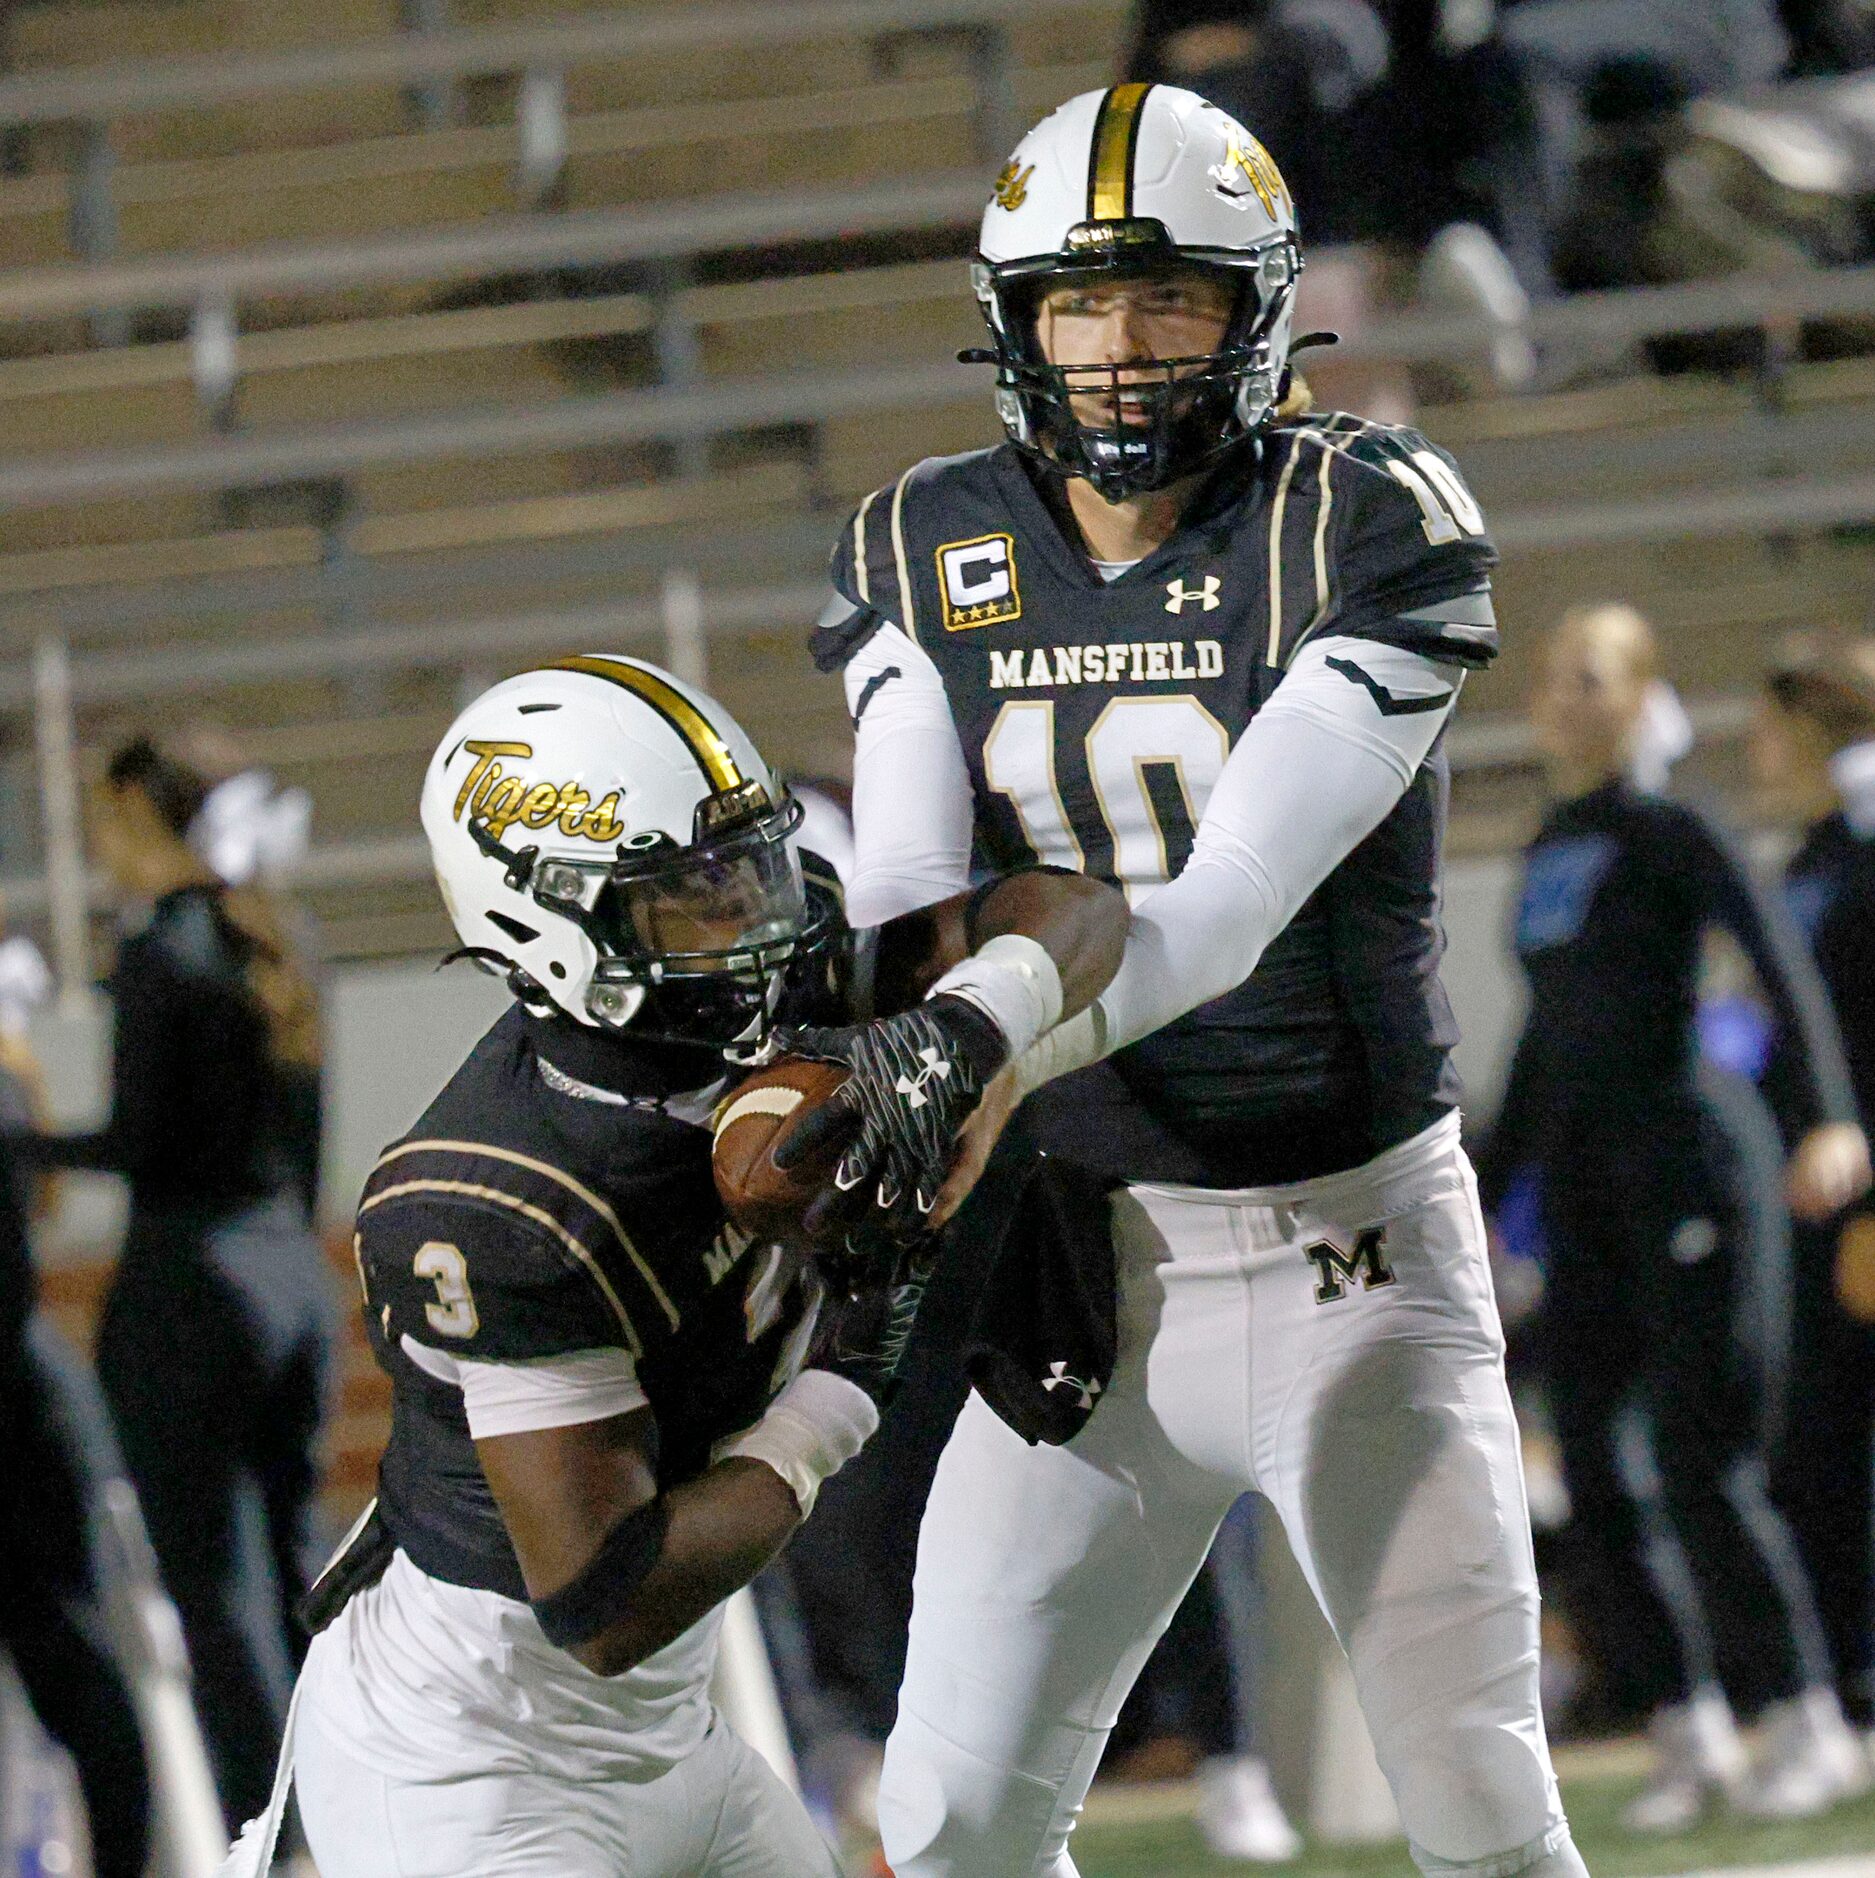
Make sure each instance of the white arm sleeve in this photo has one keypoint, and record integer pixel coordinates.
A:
(542, 1392)
(912, 803)
(1320, 767)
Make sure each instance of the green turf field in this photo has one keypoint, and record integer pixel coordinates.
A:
(1108, 1847)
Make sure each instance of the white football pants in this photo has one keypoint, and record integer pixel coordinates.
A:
(1334, 1345)
(721, 1812)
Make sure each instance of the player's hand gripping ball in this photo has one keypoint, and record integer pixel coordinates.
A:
(750, 1123)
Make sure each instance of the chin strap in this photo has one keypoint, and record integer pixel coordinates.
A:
(488, 959)
(523, 986)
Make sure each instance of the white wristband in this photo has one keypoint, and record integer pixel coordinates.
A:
(1014, 982)
(811, 1430)
(1080, 1041)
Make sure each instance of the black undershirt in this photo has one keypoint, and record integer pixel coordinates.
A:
(203, 1118)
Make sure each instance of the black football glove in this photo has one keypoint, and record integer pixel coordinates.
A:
(913, 1082)
(862, 1333)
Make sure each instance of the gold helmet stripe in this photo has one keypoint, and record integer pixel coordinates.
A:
(713, 755)
(1110, 170)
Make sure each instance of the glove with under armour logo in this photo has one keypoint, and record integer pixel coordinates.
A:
(913, 1082)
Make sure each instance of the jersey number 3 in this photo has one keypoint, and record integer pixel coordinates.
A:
(1153, 763)
(454, 1313)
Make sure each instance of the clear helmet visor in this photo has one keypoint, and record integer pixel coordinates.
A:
(735, 907)
(732, 904)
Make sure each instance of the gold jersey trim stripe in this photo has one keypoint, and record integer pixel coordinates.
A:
(562, 1178)
(909, 623)
(1332, 448)
(1276, 553)
(469, 1189)
(1325, 499)
(713, 755)
(860, 572)
(1110, 169)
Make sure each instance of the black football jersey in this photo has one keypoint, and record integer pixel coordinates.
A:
(1095, 718)
(557, 1197)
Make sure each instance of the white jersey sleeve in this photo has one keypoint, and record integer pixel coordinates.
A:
(912, 804)
(519, 1397)
(1320, 767)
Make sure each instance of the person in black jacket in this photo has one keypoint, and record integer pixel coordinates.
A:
(1813, 746)
(49, 1618)
(218, 1333)
(1652, 1208)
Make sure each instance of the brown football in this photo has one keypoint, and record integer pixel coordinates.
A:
(750, 1123)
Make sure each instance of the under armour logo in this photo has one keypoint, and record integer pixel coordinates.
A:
(1058, 1378)
(912, 1087)
(1206, 596)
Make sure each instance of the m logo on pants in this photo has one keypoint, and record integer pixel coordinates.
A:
(1335, 1269)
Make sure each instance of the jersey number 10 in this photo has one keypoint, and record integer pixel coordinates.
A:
(1446, 510)
(1144, 756)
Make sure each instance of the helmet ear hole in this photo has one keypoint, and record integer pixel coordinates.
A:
(554, 966)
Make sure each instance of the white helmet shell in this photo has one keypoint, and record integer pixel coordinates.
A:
(571, 761)
(1138, 152)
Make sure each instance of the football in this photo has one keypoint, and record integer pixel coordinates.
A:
(750, 1123)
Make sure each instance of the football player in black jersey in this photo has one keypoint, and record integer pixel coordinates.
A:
(1181, 636)
(610, 1406)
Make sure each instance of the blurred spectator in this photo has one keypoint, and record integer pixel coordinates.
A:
(1295, 73)
(218, 1331)
(1590, 66)
(49, 1616)
(1829, 36)
(1813, 749)
(1394, 127)
(1655, 1208)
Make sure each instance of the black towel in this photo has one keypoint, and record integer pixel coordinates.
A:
(1042, 1345)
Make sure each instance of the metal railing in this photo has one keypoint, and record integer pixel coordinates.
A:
(657, 246)
(99, 94)
(493, 246)
(430, 65)
(1754, 437)
(327, 452)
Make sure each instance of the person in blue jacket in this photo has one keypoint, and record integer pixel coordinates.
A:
(1653, 1214)
(1813, 749)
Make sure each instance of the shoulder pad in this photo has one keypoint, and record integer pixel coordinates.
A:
(542, 1262)
(1411, 557)
(870, 567)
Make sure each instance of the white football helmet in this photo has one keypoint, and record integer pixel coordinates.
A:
(611, 841)
(1136, 180)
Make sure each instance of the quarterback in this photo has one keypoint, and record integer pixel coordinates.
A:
(1182, 636)
(610, 1406)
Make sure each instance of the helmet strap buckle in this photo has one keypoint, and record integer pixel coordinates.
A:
(519, 863)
